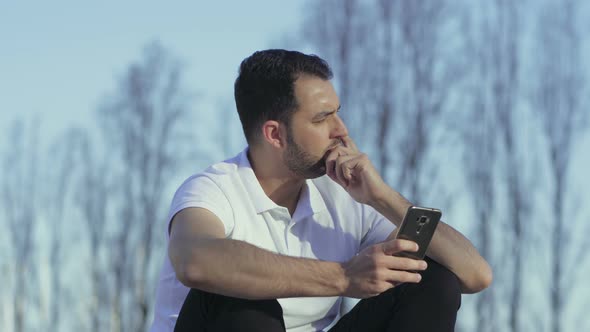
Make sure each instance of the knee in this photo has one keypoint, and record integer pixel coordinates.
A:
(442, 284)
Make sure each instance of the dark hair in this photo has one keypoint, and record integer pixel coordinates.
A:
(265, 87)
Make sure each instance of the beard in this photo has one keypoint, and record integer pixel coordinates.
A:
(303, 163)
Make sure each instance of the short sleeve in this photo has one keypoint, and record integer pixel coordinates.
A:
(376, 227)
(200, 191)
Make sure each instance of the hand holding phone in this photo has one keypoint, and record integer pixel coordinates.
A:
(418, 225)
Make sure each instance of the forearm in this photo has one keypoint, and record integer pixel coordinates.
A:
(453, 250)
(238, 269)
(448, 247)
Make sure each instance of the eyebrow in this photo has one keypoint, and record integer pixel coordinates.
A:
(325, 113)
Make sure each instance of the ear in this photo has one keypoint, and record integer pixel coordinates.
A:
(272, 131)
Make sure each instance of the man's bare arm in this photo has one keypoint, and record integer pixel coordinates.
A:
(357, 175)
(203, 259)
(448, 246)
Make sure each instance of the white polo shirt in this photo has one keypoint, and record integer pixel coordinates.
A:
(327, 224)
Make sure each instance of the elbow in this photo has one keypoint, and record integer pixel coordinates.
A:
(488, 277)
(190, 275)
(481, 280)
(187, 268)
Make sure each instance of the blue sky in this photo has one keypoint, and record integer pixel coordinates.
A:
(58, 59)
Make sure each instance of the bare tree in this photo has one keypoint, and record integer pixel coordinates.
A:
(478, 127)
(384, 82)
(504, 43)
(20, 204)
(92, 186)
(559, 91)
(61, 157)
(142, 123)
(421, 24)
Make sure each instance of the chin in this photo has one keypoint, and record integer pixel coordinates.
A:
(320, 172)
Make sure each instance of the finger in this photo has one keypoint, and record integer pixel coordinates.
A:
(348, 142)
(331, 164)
(343, 169)
(378, 288)
(341, 150)
(339, 172)
(347, 173)
(398, 245)
(405, 264)
(330, 168)
(397, 277)
(344, 150)
(331, 161)
(351, 165)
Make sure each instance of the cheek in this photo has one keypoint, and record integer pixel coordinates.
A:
(317, 140)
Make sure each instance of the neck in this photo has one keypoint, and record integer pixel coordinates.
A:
(278, 183)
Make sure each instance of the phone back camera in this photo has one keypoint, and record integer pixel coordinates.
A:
(423, 220)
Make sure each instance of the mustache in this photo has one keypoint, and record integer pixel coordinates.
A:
(336, 143)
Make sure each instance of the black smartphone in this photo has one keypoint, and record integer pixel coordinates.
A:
(418, 225)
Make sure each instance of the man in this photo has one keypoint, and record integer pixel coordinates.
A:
(271, 239)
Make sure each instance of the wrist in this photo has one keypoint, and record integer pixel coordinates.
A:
(382, 198)
(391, 204)
(343, 281)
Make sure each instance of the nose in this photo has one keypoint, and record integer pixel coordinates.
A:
(339, 129)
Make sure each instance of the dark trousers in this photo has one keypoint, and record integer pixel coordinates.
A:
(430, 305)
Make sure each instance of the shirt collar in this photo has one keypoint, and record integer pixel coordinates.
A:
(310, 200)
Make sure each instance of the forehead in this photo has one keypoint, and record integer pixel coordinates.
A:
(315, 95)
